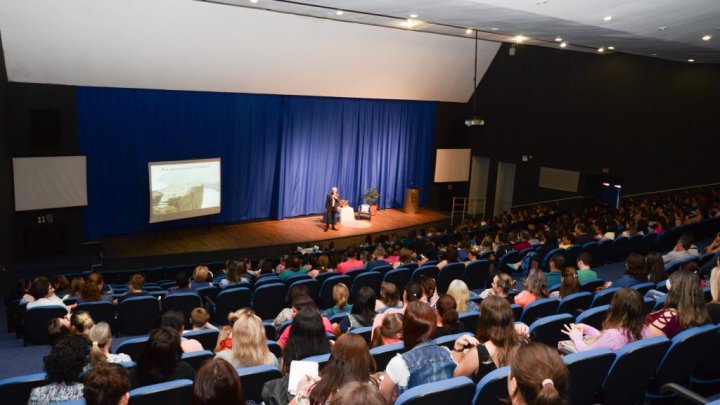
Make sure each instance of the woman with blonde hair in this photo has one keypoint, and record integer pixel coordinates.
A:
(460, 291)
(81, 322)
(101, 338)
(201, 278)
(341, 296)
(249, 344)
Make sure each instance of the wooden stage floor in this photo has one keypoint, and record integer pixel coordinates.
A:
(263, 234)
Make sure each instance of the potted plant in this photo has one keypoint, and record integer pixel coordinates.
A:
(371, 197)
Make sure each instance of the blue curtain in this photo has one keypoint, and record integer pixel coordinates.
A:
(280, 154)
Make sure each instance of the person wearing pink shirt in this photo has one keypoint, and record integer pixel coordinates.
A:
(351, 263)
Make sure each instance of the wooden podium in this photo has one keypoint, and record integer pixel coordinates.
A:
(412, 200)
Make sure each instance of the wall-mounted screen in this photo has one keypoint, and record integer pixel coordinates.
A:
(558, 179)
(49, 182)
(184, 189)
(452, 165)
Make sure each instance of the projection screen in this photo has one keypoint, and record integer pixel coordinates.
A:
(184, 189)
(49, 182)
(452, 165)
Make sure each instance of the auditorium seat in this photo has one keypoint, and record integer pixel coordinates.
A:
(684, 354)
(353, 273)
(383, 269)
(365, 332)
(99, 311)
(268, 300)
(197, 358)
(508, 258)
(133, 347)
(230, 300)
(266, 279)
(476, 274)
(604, 297)
(469, 320)
(634, 245)
(457, 390)
(184, 302)
(665, 241)
(706, 376)
(587, 373)
(592, 285)
(409, 266)
(208, 294)
(672, 267)
(643, 288)
(647, 243)
(138, 315)
(630, 373)
(274, 348)
(605, 250)
(383, 354)
(270, 331)
(549, 329)
(574, 303)
(254, 378)
(370, 279)
(618, 249)
(449, 340)
(207, 337)
(544, 265)
(517, 311)
(311, 284)
(177, 392)
(538, 309)
(451, 271)
(492, 388)
(36, 321)
(296, 278)
(592, 248)
(593, 316)
(571, 255)
(16, 390)
(424, 271)
(326, 298)
(320, 278)
(320, 359)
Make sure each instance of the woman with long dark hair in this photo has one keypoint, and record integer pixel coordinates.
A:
(538, 376)
(684, 306)
(160, 360)
(307, 337)
(217, 383)
(447, 317)
(655, 267)
(535, 288)
(361, 314)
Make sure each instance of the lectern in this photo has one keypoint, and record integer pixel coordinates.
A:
(412, 200)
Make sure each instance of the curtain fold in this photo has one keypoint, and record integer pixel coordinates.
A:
(280, 154)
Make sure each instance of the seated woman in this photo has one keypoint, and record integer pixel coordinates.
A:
(501, 286)
(496, 344)
(201, 278)
(249, 344)
(299, 303)
(90, 292)
(362, 313)
(176, 320)
(81, 322)
(237, 272)
(535, 288)
(64, 366)
(538, 376)
(350, 362)
(451, 256)
(43, 294)
(106, 384)
(423, 361)
(460, 292)
(306, 338)
(61, 284)
(217, 382)
(635, 272)
(160, 360)
(341, 296)
(389, 332)
(321, 265)
(448, 322)
(412, 292)
(569, 283)
(389, 297)
(101, 338)
(684, 306)
(623, 324)
(106, 291)
(287, 313)
(429, 290)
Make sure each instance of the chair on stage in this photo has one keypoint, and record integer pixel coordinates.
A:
(364, 212)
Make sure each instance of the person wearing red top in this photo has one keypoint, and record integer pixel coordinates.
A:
(351, 263)
(524, 241)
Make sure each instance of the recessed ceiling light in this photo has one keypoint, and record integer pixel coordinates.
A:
(662, 28)
(413, 15)
(468, 31)
(612, 48)
(607, 18)
(339, 12)
(253, 1)
(706, 37)
(519, 39)
(601, 50)
(558, 39)
(691, 60)
(409, 23)
(563, 44)
(653, 54)
(494, 29)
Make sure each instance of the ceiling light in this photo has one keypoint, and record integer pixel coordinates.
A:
(662, 28)
(607, 18)
(563, 44)
(253, 1)
(691, 60)
(706, 37)
(339, 12)
(601, 50)
(558, 39)
(413, 15)
(494, 29)
(519, 39)
(468, 31)
(653, 54)
(612, 48)
(409, 23)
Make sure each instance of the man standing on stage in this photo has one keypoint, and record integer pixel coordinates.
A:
(331, 205)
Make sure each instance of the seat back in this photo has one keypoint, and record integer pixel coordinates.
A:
(647, 243)
(320, 278)
(353, 273)
(138, 315)
(605, 250)
(451, 271)
(312, 285)
(320, 359)
(254, 378)
(16, 390)
(207, 337)
(604, 297)
(517, 311)
(469, 320)
(587, 373)
(571, 255)
(476, 274)
(400, 277)
(297, 277)
(549, 329)
(684, 354)
(632, 370)
(424, 271)
(383, 354)
(457, 390)
(208, 294)
(545, 265)
(231, 300)
(665, 240)
(449, 340)
(268, 300)
(370, 279)
(707, 371)
(171, 392)
(365, 332)
(508, 258)
(538, 309)
(266, 279)
(326, 298)
(634, 245)
(592, 285)
(573, 303)
(100, 311)
(643, 288)
(133, 347)
(492, 388)
(198, 358)
(36, 321)
(410, 266)
(183, 302)
(593, 316)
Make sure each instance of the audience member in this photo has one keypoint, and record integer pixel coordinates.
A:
(237, 272)
(303, 301)
(537, 376)
(585, 274)
(451, 256)
(535, 288)
(350, 263)
(448, 321)
(569, 283)
(76, 286)
(581, 235)
(362, 313)
(341, 296)
(655, 267)
(106, 384)
(62, 286)
(389, 332)
(429, 290)
(135, 287)
(200, 319)
(249, 344)
(201, 278)
(287, 313)
(90, 292)
(160, 360)
(105, 290)
(556, 264)
(501, 286)
(684, 307)
(378, 255)
(322, 265)
(294, 268)
(683, 249)
(176, 321)
(58, 328)
(389, 297)
(635, 272)
(64, 366)
(306, 338)
(713, 307)
(217, 383)
(356, 393)
(460, 292)
(100, 336)
(43, 294)
(182, 281)
(81, 322)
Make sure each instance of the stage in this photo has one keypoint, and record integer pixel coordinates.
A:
(260, 238)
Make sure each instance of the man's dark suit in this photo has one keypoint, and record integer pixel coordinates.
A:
(331, 206)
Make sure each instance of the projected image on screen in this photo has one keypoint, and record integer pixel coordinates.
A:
(184, 189)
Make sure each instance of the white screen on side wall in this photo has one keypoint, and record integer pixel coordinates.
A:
(49, 182)
(452, 165)
(184, 189)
